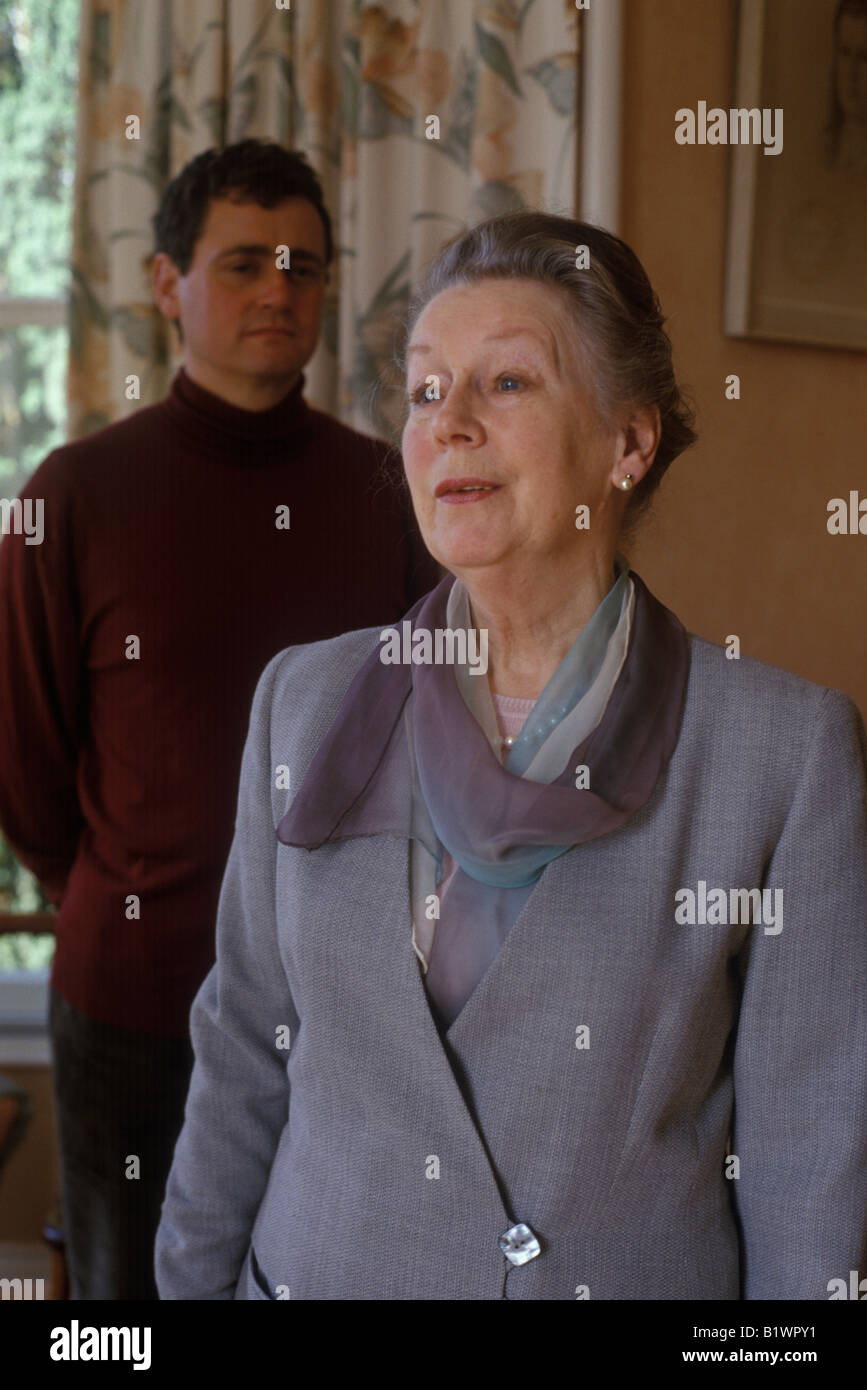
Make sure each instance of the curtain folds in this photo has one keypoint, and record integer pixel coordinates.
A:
(354, 87)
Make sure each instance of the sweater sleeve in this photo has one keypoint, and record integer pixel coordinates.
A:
(238, 1099)
(41, 687)
(800, 1066)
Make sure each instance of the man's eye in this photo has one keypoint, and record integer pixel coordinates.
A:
(508, 377)
(242, 266)
(306, 275)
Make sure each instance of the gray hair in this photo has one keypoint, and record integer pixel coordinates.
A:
(617, 317)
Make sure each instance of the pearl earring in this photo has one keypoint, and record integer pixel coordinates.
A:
(626, 483)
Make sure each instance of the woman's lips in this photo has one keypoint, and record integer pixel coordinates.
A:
(457, 490)
(470, 495)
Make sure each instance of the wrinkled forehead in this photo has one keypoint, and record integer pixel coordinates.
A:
(467, 319)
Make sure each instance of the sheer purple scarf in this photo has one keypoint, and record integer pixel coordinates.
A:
(504, 828)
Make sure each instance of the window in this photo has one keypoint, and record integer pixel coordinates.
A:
(38, 78)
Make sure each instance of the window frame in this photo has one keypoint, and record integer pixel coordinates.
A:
(24, 993)
(24, 998)
(25, 311)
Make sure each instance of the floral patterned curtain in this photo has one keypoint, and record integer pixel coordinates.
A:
(352, 86)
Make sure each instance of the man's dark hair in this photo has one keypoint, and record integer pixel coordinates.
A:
(255, 171)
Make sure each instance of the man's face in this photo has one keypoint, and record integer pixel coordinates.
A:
(248, 326)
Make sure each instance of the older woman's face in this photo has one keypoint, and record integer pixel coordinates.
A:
(514, 413)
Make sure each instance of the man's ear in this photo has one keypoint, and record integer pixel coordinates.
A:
(164, 278)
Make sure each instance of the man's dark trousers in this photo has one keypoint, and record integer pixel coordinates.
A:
(119, 1097)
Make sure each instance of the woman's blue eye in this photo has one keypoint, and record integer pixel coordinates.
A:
(421, 395)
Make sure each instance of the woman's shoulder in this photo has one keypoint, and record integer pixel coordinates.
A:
(745, 678)
(334, 659)
(300, 689)
(754, 679)
(764, 704)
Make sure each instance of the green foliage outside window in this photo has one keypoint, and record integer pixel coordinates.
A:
(38, 76)
(20, 892)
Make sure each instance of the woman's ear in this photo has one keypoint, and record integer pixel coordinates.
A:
(639, 436)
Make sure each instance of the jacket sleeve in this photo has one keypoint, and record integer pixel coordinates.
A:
(238, 1101)
(800, 1064)
(41, 688)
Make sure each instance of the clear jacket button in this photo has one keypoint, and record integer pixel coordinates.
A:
(519, 1244)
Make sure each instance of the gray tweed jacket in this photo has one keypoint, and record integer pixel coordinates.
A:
(703, 1138)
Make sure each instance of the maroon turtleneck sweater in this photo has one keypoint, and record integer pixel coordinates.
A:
(119, 776)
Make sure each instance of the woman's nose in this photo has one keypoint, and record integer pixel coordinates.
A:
(455, 415)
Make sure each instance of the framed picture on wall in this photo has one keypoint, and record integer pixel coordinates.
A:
(797, 247)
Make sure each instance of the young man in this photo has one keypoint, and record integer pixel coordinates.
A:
(182, 548)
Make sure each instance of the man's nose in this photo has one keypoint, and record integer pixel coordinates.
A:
(279, 288)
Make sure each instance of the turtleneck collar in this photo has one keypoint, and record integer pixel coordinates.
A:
(247, 437)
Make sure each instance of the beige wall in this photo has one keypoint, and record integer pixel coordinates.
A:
(739, 541)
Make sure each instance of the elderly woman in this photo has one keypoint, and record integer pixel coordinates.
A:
(537, 971)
